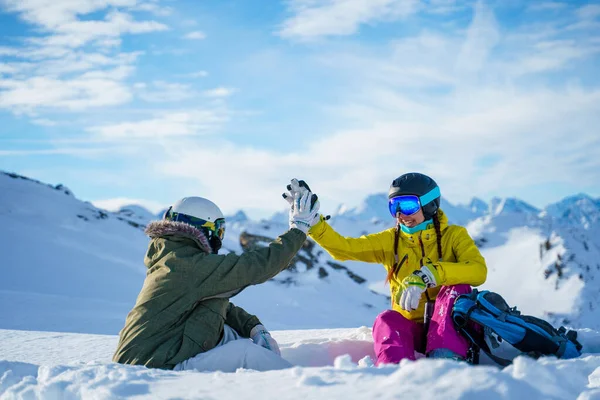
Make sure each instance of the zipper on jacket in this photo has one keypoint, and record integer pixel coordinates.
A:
(399, 265)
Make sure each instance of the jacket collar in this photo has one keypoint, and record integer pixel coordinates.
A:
(164, 228)
(426, 235)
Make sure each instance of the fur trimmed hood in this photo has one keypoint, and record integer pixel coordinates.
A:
(158, 229)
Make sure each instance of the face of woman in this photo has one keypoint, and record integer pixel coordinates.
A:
(411, 220)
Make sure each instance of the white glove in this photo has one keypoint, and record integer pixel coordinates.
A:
(305, 207)
(412, 287)
(261, 336)
(294, 187)
(410, 298)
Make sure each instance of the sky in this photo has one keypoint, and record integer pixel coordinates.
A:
(147, 101)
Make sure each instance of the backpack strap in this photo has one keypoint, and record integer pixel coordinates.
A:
(482, 345)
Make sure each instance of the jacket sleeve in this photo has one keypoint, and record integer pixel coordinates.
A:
(240, 320)
(469, 268)
(368, 248)
(226, 275)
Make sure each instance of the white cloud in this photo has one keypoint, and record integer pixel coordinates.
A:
(219, 92)
(588, 18)
(44, 122)
(107, 43)
(118, 65)
(8, 51)
(547, 6)
(197, 74)
(162, 92)
(75, 63)
(51, 14)
(170, 124)
(312, 19)
(154, 9)
(482, 35)
(521, 129)
(195, 35)
(92, 89)
(551, 56)
(74, 94)
(589, 11)
(7, 69)
(62, 151)
(61, 19)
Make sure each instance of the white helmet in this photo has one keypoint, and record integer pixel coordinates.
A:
(198, 207)
(202, 214)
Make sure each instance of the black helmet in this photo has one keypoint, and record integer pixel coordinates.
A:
(419, 185)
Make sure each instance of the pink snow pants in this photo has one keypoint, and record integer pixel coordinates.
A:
(397, 338)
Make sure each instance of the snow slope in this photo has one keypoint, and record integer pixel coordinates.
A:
(66, 266)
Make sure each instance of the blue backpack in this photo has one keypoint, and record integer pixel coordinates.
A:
(486, 315)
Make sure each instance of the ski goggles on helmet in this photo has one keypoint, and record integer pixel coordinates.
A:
(406, 204)
(217, 227)
(410, 204)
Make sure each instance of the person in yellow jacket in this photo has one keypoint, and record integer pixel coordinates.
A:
(429, 263)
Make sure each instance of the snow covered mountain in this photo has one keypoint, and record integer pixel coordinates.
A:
(546, 262)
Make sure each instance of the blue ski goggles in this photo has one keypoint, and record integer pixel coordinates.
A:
(410, 204)
(406, 205)
(217, 227)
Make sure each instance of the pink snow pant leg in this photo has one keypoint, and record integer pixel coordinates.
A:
(395, 337)
(442, 334)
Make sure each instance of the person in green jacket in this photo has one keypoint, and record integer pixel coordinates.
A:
(183, 318)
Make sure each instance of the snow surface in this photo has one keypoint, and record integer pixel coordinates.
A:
(328, 364)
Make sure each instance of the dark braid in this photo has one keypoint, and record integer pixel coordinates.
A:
(438, 233)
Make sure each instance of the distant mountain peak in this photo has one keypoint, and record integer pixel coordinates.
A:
(511, 205)
(478, 206)
(60, 187)
(239, 216)
(577, 209)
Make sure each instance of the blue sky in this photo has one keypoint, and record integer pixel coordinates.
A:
(147, 101)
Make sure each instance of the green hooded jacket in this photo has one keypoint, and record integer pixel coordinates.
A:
(184, 303)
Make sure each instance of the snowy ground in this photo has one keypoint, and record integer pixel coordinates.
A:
(329, 364)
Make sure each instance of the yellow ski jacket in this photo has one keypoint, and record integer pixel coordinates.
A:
(462, 262)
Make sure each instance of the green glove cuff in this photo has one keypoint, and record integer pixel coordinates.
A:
(428, 275)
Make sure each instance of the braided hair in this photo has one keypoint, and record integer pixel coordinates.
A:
(438, 233)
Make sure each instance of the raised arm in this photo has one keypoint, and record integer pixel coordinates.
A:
(226, 274)
(215, 274)
(374, 248)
